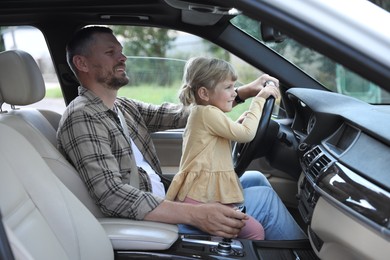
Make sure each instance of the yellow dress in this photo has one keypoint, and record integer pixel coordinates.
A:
(206, 168)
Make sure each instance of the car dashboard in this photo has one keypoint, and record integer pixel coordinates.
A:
(345, 160)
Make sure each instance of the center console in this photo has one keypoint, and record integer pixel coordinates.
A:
(212, 247)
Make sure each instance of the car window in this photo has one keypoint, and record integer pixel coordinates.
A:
(155, 66)
(330, 74)
(31, 40)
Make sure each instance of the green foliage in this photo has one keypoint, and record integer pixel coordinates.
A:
(250, 26)
(316, 65)
(217, 51)
(158, 95)
(150, 94)
(154, 95)
(246, 73)
(54, 93)
(154, 71)
(144, 41)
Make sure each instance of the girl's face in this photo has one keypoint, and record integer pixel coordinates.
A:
(223, 95)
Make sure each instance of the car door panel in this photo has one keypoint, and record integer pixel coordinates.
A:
(168, 145)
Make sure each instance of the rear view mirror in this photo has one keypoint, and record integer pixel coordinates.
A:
(270, 34)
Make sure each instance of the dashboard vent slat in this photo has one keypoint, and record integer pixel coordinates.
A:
(315, 161)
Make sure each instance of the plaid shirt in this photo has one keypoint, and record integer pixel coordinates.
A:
(91, 137)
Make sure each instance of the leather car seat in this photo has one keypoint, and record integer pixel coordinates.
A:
(44, 216)
(21, 83)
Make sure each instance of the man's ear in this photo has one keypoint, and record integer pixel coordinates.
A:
(203, 93)
(80, 63)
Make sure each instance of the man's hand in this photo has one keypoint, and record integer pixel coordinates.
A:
(218, 219)
(213, 218)
(242, 117)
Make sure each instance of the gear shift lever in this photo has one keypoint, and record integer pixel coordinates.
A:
(241, 208)
(227, 240)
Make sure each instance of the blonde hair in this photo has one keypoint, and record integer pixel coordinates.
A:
(203, 72)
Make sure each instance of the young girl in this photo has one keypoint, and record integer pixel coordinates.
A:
(206, 167)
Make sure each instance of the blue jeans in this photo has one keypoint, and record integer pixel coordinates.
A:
(262, 203)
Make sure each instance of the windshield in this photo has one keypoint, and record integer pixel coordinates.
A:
(330, 74)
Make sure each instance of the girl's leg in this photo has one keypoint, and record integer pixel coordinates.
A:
(252, 230)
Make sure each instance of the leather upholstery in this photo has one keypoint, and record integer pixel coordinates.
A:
(25, 78)
(44, 215)
(37, 183)
(20, 71)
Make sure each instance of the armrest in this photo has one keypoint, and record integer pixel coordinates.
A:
(126, 234)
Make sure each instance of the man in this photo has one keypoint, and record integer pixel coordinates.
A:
(106, 138)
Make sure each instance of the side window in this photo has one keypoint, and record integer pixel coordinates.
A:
(156, 67)
(31, 40)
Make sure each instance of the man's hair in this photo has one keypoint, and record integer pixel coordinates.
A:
(80, 42)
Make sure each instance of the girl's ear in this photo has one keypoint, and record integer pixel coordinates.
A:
(203, 93)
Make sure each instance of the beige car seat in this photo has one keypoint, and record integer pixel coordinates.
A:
(21, 83)
(46, 219)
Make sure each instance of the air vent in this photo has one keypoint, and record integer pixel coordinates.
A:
(309, 157)
(318, 165)
(314, 162)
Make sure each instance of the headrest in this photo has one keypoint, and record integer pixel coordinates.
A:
(21, 81)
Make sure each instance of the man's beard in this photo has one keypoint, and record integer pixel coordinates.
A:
(112, 82)
(116, 83)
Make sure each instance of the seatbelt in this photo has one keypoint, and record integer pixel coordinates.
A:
(134, 175)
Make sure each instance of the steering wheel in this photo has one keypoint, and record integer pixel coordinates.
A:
(244, 153)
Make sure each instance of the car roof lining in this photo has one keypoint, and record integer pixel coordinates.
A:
(202, 14)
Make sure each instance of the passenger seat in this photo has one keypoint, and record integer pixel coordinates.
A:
(21, 83)
(31, 134)
(45, 218)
